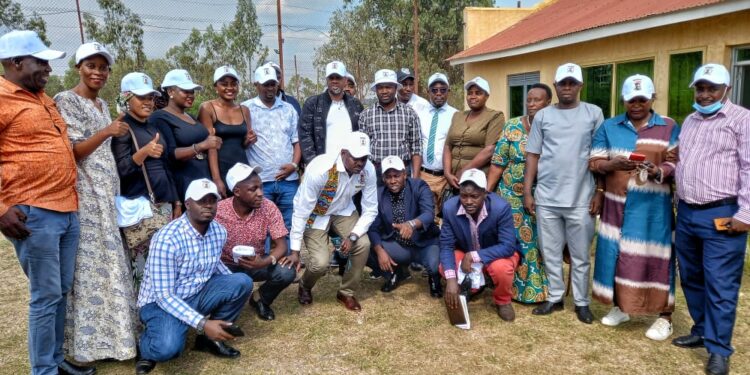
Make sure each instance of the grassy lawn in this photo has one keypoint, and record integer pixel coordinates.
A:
(407, 332)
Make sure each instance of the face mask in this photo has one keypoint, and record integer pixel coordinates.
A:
(713, 108)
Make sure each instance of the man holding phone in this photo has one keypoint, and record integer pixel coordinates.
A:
(713, 181)
(185, 282)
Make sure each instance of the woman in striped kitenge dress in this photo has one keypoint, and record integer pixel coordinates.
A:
(634, 267)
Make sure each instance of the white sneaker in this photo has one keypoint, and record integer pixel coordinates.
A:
(660, 330)
(615, 317)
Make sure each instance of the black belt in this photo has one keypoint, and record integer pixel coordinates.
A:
(430, 171)
(714, 204)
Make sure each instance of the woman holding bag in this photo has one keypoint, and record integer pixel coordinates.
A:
(148, 197)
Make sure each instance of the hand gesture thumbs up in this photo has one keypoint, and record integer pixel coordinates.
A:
(118, 128)
(154, 147)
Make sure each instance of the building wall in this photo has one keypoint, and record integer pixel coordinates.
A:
(482, 23)
(714, 36)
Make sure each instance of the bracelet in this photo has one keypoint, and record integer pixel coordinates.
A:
(411, 224)
(195, 149)
(600, 190)
(295, 165)
(273, 260)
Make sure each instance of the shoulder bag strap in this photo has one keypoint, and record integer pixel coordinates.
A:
(143, 168)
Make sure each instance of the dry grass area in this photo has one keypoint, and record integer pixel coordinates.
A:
(406, 332)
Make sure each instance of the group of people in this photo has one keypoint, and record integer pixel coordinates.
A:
(474, 200)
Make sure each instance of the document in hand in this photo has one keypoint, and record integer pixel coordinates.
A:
(459, 316)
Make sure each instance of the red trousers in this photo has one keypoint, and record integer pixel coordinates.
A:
(500, 270)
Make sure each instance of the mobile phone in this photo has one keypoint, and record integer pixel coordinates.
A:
(637, 157)
(234, 330)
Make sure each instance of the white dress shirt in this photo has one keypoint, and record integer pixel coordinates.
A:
(316, 175)
(418, 103)
(445, 116)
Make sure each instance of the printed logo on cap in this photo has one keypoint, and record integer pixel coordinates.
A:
(570, 68)
(146, 80)
(187, 76)
(362, 141)
(405, 71)
(265, 71)
(335, 65)
(708, 70)
(205, 184)
(637, 84)
(97, 46)
(226, 69)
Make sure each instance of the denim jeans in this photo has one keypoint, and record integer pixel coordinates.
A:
(281, 193)
(48, 259)
(276, 277)
(428, 256)
(222, 298)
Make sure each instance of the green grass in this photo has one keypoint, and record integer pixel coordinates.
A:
(407, 332)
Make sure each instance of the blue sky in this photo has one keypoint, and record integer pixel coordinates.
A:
(168, 22)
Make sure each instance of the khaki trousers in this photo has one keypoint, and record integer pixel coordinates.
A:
(319, 254)
(437, 185)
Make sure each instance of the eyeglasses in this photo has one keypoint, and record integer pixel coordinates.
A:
(441, 90)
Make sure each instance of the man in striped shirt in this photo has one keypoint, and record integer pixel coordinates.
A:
(713, 182)
(185, 282)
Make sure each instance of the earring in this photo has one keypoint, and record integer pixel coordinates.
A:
(171, 97)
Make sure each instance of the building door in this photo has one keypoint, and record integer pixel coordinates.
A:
(741, 76)
(682, 66)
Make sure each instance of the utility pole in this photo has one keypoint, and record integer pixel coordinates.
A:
(296, 75)
(416, 45)
(80, 23)
(281, 42)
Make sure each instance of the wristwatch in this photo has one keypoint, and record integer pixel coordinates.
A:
(273, 260)
(201, 325)
(353, 237)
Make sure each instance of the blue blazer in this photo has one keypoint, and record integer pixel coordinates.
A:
(420, 205)
(497, 236)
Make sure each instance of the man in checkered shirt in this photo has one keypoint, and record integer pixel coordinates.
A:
(393, 127)
(185, 283)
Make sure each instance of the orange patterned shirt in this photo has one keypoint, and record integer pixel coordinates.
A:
(37, 166)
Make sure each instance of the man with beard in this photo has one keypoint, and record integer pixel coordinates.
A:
(38, 199)
(404, 230)
(478, 233)
(186, 284)
(324, 201)
(329, 117)
(351, 85)
(277, 148)
(565, 202)
(281, 94)
(392, 126)
(406, 93)
(249, 218)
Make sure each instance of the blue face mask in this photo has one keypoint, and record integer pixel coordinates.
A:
(712, 108)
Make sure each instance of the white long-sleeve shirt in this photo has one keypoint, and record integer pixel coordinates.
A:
(316, 175)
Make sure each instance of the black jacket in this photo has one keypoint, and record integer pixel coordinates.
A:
(312, 123)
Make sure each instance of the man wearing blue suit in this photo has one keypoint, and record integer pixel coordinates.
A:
(478, 230)
(404, 230)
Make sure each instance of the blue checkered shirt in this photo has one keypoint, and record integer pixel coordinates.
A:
(180, 262)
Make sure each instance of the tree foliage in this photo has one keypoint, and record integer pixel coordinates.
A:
(12, 18)
(121, 31)
(302, 87)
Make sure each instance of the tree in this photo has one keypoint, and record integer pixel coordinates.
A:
(12, 18)
(303, 87)
(121, 31)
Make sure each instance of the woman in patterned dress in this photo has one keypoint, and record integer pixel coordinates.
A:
(509, 162)
(101, 312)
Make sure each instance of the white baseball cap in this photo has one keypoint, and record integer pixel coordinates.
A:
(350, 77)
(479, 81)
(358, 144)
(439, 77)
(568, 70)
(714, 73)
(19, 43)
(224, 71)
(138, 83)
(264, 74)
(476, 176)
(336, 67)
(200, 188)
(392, 162)
(90, 49)
(274, 65)
(385, 76)
(180, 78)
(637, 85)
(239, 172)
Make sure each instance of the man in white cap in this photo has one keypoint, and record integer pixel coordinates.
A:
(478, 232)
(404, 230)
(567, 198)
(324, 201)
(249, 219)
(406, 93)
(186, 285)
(280, 92)
(277, 147)
(713, 181)
(392, 126)
(435, 120)
(328, 118)
(38, 171)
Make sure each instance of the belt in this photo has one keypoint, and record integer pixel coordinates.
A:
(719, 203)
(430, 171)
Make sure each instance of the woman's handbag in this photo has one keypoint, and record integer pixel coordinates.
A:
(141, 232)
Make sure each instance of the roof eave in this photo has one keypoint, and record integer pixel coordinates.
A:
(612, 30)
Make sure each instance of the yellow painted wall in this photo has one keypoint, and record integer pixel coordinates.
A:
(714, 36)
(482, 23)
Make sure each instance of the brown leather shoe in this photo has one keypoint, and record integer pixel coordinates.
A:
(506, 312)
(349, 302)
(304, 295)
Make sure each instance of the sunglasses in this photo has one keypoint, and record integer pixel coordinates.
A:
(441, 90)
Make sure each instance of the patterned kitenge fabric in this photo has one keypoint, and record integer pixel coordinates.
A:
(326, 196)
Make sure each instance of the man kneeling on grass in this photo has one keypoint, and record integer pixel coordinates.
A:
(185, 282)
(478, 229)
